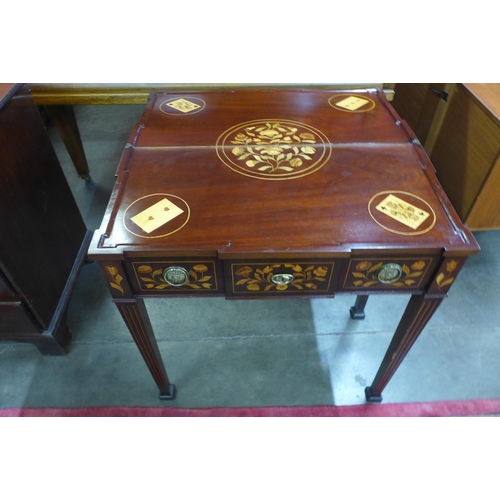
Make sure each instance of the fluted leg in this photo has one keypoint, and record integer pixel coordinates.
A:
(136, 317)
(418, 312)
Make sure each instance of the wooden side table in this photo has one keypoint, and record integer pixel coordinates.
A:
(278, 194)
(44, 239)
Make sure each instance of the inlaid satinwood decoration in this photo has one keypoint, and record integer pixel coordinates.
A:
(352, 103)
(201, 276)
(446, 278)
(273, 149)
(262, 277)
(156, 215)
(365, 273)
(402, 213)
(116, 279)
(182, 106)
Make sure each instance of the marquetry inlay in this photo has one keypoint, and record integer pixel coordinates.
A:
(351, 103)
(181, 106)
(364, 273)
(202, 276)
(274, 149)
(304, 277)
(402, 213)
(156, 215)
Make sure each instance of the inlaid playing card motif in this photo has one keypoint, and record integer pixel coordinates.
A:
(155, 216)
(402, 211)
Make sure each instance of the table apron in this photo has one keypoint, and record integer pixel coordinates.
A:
(292, 278)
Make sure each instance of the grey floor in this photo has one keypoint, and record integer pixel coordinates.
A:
(250, 353)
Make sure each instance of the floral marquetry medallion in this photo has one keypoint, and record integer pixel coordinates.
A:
(273, 149)
(287, 277)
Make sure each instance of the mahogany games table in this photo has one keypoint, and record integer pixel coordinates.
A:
(278, 193)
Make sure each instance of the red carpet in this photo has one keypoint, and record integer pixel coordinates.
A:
(477, 407)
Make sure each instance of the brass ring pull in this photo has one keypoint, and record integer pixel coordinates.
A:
(389, 273)
(176, 276)
(282, 279)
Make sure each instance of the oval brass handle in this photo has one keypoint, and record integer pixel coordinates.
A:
(282, 279)
(389, 273)
(176, 276)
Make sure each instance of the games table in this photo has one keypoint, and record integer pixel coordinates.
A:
(287, 193)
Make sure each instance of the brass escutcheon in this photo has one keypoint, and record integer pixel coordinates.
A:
(176, 276)
(282, 279)
(389, 273)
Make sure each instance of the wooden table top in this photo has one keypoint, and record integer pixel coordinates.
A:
(282, 173)
(138, 93)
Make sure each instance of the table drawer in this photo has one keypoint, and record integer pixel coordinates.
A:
(280, 278)
(370, 273)
(172, 276)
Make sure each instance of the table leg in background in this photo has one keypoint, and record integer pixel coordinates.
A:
(67, 126)
(358, 310)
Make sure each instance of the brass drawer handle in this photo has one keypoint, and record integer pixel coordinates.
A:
(176, 276)
(389, 273)
(282, 279)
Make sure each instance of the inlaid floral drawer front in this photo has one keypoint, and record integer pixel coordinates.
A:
(366, 274)
(176, 276)
(289, 277)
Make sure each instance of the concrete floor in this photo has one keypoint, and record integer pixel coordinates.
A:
(291, 352)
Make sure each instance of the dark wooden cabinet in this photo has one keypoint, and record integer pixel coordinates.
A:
(459, 127)
(43, 236)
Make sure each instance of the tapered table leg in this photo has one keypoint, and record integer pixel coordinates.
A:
(136, 317)
(67, 126)
(358, 310)
(418, 312)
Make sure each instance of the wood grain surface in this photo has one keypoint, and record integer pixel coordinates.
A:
(278, 193)
(238, 213)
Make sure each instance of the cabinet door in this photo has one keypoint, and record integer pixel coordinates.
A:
(423, 106)
(16, 319)
(6, 291)
(466, 148)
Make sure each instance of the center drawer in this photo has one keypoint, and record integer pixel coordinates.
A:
(260, 278)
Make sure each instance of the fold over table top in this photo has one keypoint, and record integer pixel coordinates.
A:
(281, 172)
